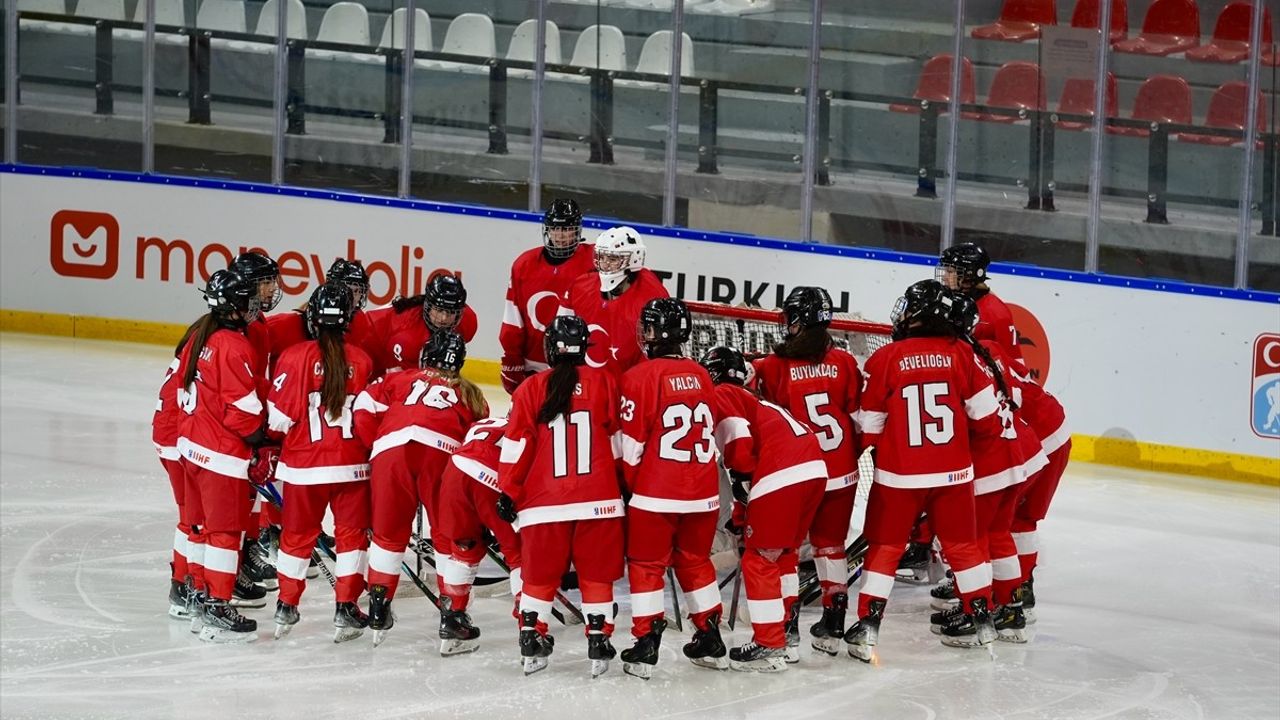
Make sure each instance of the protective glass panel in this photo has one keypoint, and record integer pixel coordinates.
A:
(1264, 240)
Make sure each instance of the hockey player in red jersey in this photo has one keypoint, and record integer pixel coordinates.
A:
(669, 464)
(539, 278)
(819, 384)
(164, 435)
(559, 482)
(290, 328)
(222, 423)
(777, 467)
(468, 506)
(926, 398)
(609, 300)
(412, 421)
(402, 328)
(963, 268)
(321, 463)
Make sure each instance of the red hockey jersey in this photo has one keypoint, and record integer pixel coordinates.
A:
(259, 334)
(290, 328)
(1010, 457)
(667, 441)
(317, 447)
(762, 440)
(566, 469)
(480, 454)
(995, 322)
(166, 421)
(924, 402)
(221, 406)
(404, 333)
(824, 396)
(412, 406)
(614, 342)
(533, 297)
(1042, 410)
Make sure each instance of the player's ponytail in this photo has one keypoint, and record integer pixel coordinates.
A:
(333, 355)
(198, 335)
(810, 344)
(985, 356)
(177, 351)
(473, 397)
(401, 304)
(560, 388)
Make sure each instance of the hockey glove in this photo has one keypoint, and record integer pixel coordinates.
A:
(738, 486)
(262, 466)
(506, 508)
(513, 373)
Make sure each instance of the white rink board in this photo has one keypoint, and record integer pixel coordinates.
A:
(1156, 367)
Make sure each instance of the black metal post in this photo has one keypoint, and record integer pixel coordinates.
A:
(393, 96)
(1157, 175)
(822, 166)
(1049, 133)
(708, 122)
(927, 160)
(1270, 221)
(198, 98)
(498, 108)
(296, 91)
(1033, 162)
(601, 135)
(103, 69)
(595, 133)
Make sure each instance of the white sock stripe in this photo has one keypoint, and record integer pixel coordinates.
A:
(973, 579)
(877, 584)
(704, 598)
(528, 603)
(790, 585)
(384, 560)
(457, 573)
(195, 552)
(181, 545)
(832, 569)
(257, 503)
(765, 611)
(602, 608)
(351, 562)
(292, 566)
(221, 560)
(1026, 542)
(517, 584)
(1006, 568)
(644, 604)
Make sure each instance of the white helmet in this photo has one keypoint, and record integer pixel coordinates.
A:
(619, 251)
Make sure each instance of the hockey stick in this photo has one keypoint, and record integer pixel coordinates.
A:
(733, 604)
(675, 597)
(272, 496)
(501, 562)
(811, 588)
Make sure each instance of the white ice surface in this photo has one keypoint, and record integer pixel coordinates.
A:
(1158, 599)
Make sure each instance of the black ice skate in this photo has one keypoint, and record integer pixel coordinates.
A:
(223, 623)
(944, 595)
(1027, 594)
(861, 639)
(1011, 624)
(829, 631)
(757, 658)
(286, 617)
(639, 659)
(247, 594)
(535, 647)
(256, 566)
(457, 634)
(792, 630)
(913, 567)
(943, 618)
(349, 622)
(970, 630)
(380, 616)
(707, 649)
(179, 599)
(195, 608)
(599, 649)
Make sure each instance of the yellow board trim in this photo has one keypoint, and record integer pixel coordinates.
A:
(1084, 448)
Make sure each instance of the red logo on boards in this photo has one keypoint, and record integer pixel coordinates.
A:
(84, 244)
(1033, 342)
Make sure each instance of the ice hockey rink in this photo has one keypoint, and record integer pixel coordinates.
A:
(1158, 598)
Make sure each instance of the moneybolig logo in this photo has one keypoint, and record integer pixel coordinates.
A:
(93, 239)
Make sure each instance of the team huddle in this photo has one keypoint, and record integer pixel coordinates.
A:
(610, 461)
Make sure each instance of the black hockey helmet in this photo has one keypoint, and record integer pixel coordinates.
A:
(352, 274)
(563, 214)
(665, 321)
(966, 262)
(566, 340)
(264, 273)
(229, 292)
(925, 302)
(964, 313)
(807, 306)
(444, 350)
(725, 365)
(330, 306)
(446, 295)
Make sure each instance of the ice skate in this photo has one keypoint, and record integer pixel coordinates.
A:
(457, 634)
(247, 594)
(1010, 624)
(195, 608)
(639, 659)
(757, 658)
(256, 568)
(223, 623)
(707, 649)
(599, 649)
(913, 568)
(829, 631)
(792, 629)
(942, 618)
(970, 630)
(349, 622)
(286, 617)
(1027, 594)
(861, 639)
(944, 595)
(179, 599)
(381, 618)
(535, 647)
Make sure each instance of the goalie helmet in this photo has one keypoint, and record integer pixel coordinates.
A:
(444, 350)
(566, 340)
(925, 302)
(352, 274)
(443, 302)
(725, 365)
(330, 306)
(619, 252)
(264, 273)
(962, 266)
(664, 321)
(807, 306)
(228, 292)
(562, 228)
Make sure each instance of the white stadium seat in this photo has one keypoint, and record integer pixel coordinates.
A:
(655, 56)
(525, 37)
(393, 31)
(225, 15)
(601, 46)
(468, 34)
(343, 22)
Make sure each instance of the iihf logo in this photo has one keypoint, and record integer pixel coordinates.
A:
(1265, 408)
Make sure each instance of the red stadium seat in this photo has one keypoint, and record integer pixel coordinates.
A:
(1171, 26)
(1077, 99)
(935, 84)
(1230, 43)
(1162, 99)
(1019, 20)
(1226, 110)
(1086, 16)
(1018, 85)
